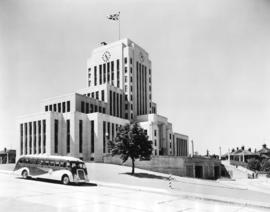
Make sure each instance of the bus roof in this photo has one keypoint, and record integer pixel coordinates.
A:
(52, 157)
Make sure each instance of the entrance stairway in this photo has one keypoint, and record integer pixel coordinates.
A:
(238, 172)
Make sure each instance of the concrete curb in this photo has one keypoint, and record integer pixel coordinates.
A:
(6, 172)
(176, 193)
(188, 195)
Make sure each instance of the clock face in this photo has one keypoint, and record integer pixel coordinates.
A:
(106, 56)
(141, 57)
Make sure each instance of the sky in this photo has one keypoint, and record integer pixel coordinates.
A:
(210, 61)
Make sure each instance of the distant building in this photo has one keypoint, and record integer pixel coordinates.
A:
(7, 156)
(119, 91)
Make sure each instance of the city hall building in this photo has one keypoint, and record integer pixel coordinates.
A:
(118, 92)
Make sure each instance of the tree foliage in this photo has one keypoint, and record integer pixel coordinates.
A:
(265, 165)
(254, 164)
(131, 142)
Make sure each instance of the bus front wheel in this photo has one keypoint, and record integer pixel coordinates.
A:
(65, 180)
(24, 174)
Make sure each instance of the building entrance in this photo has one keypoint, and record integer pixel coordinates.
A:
(198, 171)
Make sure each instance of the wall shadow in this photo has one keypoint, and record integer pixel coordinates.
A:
(146, 175)
(60, 183)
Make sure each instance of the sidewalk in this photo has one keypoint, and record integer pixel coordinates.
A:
(231, 192)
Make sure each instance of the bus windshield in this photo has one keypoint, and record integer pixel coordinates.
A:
(77, 165)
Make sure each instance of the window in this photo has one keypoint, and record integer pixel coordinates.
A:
(87, 107)
(130, 88)
(100, 74)
(68, 136)
(130, 60)
(39, 136)
(104, 136)
(82, 107)
(126, 97)
(104, 110)
(21, 127)
(125, 69)
(149, 71)
(68, 106)
(155, 142)
(117, 64)
(102, 95)
(125, 88)
(56, 136)
(131, 106)
(100, 109)
(30, 137)
(59, 107)
(104, 73)
(130, 79)
(95, 75)
(131, 98)
(92, 137)
(155, 132)
(64, 107)
(91, 108)
(44, 136)
(50, 108)
(96, 108)
(97, 97)
(131, 116)
(54, 107)
(46, 108)
(80, 136)
(131, 70)
(125, 60)
(170, 136)
(126, 106)
(93, 95)
(126, 115)
(125, 78)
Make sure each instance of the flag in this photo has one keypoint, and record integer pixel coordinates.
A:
(114, 17)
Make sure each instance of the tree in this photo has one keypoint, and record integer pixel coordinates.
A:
(265, 165)
(131, 142)
(254, 164)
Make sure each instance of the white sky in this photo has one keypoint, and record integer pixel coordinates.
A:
(210, 61)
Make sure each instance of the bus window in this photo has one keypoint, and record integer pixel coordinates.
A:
(32, 161)
(51, 163)
(62, 164)
(46, 163)
(68, 164)
(57, 163)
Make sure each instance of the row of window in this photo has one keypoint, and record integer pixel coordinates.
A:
(142, 89)
(61, 107)
(92, 134)
(116, 104)
(104, 73)
(95, 95)
(91, 108)
(31, 135)
(109, 133)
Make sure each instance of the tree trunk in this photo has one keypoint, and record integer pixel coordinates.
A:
(133, 165)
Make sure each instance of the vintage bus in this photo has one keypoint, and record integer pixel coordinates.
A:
(61, 168)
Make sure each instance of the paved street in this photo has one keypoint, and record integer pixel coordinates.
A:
(33, 195)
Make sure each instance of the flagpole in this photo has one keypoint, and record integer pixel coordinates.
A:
(119, 27)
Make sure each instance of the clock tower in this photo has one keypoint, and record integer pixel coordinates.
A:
(126, 66)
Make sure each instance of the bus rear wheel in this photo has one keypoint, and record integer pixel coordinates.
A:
(65, 180)
(24, 174)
